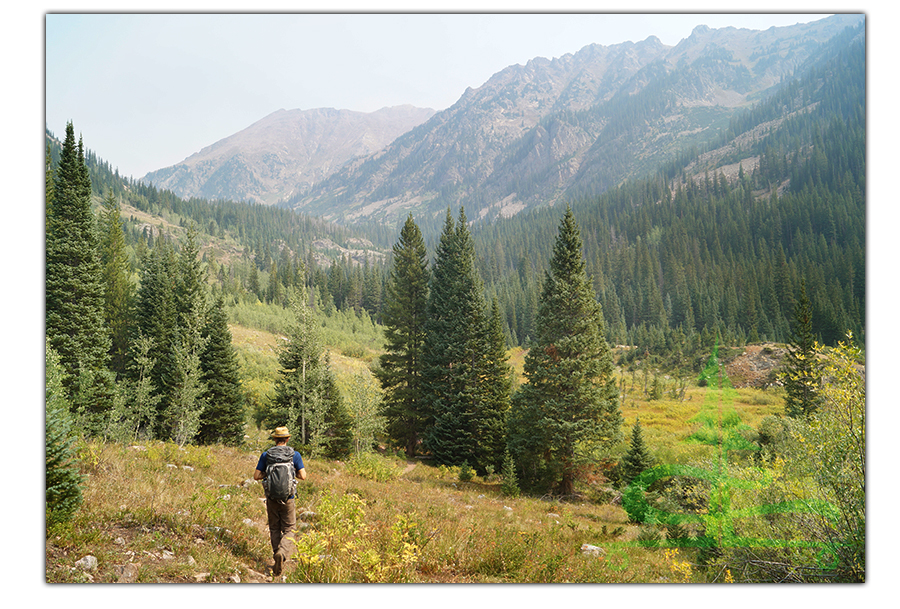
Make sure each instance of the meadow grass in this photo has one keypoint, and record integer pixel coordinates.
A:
(189, 514)
(194, 514)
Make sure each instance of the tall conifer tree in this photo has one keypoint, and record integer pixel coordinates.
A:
(187, 402)
(802, 372)
(119, 292)
(569, 407)
(74, 286)
(48, 187)
(190, 284)
(404, 318)
(223, 419)
(157, 319)
(62, 480)
(455, 351)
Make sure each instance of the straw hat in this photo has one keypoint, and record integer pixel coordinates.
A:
(281, 432)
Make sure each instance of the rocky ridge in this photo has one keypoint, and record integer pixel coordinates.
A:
(534, 134)
(285, 152)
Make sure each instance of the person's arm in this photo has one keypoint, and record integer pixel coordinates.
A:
(259, 474)
(299, 467)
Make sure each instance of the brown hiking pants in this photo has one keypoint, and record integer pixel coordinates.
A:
(282, 519)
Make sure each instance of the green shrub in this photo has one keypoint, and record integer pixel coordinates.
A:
(63, 480)
(373, 467)
(510, 485)
(466, 473)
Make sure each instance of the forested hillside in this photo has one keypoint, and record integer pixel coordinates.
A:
(719, 240)
(716, 241)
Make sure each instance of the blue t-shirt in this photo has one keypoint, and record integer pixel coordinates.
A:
(264, 459)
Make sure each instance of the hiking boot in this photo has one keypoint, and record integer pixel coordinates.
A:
(279, 564)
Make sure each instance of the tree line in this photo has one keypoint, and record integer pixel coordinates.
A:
(446, 379)
(146, 352)
(151, 358)
(138, 343)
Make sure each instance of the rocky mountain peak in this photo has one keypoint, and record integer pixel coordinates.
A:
(286, 152)
(533, 134)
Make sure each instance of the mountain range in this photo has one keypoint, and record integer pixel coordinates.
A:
(532, 135)
(285, 153)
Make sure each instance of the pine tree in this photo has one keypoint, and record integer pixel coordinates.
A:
(495, 380)
(569, 406)
(510, 485)
(253, 281)
(157, 320)
(400, 373)
(190, 282)
(74, 285)
(48, 188)
(119, 291)
(223, 419)
(455, 345)
(801, 372)
(63, 482)
(186, 396)
(275, 292)
(637, 459)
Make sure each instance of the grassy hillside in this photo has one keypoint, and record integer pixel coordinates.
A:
(154, 512)
(186, 515)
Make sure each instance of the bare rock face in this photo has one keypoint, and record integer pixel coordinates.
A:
(564, 128)
(285, 152)
(757, 366)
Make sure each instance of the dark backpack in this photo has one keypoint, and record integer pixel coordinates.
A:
(280, 481)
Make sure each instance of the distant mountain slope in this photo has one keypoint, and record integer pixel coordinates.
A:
(285, 152)
(569, 127)
(532, 135)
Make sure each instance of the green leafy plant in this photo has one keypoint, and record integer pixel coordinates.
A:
(373, 467)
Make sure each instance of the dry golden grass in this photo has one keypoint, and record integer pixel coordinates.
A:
(517, 363)
(186, 515)
(243, 337)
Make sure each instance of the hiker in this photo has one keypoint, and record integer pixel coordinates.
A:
(278, 468)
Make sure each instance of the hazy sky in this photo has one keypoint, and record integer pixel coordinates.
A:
(147, 90)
